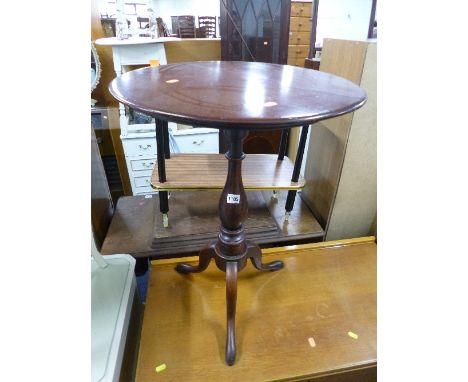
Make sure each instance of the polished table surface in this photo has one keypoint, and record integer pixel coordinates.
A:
(232, 94)
(324, 291)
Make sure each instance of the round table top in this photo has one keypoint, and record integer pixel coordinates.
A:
(234, 94)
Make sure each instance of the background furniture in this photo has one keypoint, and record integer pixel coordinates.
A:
(255, 30)
(209, 23)
(340, 171)
(138, 139)
(300, 27)
(102, 206)
(326, 289)
(143, 22)
(115, 319)
(186, 26)
(104, 121)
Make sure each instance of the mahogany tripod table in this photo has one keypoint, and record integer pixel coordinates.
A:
(236, 97)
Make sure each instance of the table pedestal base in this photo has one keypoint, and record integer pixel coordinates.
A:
(230, 265)
(231, 250)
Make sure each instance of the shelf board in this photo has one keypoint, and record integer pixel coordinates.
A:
(209, 171)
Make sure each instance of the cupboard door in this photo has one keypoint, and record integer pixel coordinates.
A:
(255, 30)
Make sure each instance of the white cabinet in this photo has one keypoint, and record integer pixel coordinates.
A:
(139, 140)
(140, 152)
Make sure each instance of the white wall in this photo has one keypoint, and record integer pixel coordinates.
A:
(345, 19)
(167, 8)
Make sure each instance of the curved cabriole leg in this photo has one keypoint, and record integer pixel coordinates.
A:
(205, 256)
(255, 254)
(231, 298)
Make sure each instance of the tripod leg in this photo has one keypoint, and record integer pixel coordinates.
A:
(231, 298)
(255, 255)
(203, 262)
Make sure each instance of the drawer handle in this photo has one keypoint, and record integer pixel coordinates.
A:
(147, 180)
(147, 164)
(300, 24)
(198, 143)
(144, 148)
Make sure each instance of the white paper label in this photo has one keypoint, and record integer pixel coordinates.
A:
(148, 196)
(233, 199)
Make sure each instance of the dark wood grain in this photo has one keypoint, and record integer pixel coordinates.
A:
(324, 291)
(195, 219)
(194, 215)
(237, 94)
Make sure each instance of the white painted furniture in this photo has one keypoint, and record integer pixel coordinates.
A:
(113, 288)
(139, 140)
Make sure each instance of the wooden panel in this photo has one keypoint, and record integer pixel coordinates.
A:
(356, 197)
(299, 38)
(327, 144)
(209, 171)
(301, 9)
(300, 24)
(294, 136)
(321, 293)
(298, 51)
(193, 50)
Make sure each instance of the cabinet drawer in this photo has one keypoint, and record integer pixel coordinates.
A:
(299, 38)
(298, 51)
(139, 146)
(198, 143)
(294, 61)
(300, 24)
(301, 9)
(142, 181)
(142, 164)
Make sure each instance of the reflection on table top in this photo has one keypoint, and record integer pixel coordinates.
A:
(233, 94)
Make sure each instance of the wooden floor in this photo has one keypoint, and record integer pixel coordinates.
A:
(314, 319)
(208, 171)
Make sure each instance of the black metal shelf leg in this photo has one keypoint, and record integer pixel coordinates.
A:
(297, 169)
(167, 150)
(161, 157)
(283, 143)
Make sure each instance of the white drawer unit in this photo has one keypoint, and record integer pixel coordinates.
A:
(202, 142)
(134, 147)
(140, 152)
(142, 181)
(142, 164)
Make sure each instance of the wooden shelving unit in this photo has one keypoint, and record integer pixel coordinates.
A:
(208, 172)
